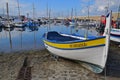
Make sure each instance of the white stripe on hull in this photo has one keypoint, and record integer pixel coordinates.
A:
(90, 55)
(115, 32)
(73, 24)
(116, 39)
(19, 25)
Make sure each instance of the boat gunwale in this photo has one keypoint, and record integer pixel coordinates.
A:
(73, 41)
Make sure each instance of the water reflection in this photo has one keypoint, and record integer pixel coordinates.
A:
(31, 28)
(10, 40)
(27, 38)
(21, 40)
(34, 39)
(20, 29)
(34, 29)
(9, 29)
(0, 29)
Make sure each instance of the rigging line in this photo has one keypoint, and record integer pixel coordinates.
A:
(86, 35)
(47, 13)
(18, 8)
(118, 11)
(49, 16)
(108, 4)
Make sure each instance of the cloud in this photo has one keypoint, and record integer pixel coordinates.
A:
(99, 6)
(12, 4)
(13, 7)
(96, 7)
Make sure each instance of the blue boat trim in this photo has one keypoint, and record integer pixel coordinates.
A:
(57, 38)
(115, 35)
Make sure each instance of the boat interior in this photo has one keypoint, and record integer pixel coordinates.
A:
(57, 37)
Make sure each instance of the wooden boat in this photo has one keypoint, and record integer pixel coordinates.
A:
(91, 51)
(115, 35)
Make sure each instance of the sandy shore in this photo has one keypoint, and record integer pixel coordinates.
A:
(45, 67)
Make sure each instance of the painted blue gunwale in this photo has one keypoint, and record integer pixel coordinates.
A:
(75, 41)
(72, 41)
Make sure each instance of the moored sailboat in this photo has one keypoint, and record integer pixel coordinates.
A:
(115, 35)
(8, 23)
(115, 31)
(91, 51)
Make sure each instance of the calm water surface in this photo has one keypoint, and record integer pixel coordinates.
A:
(30, 38)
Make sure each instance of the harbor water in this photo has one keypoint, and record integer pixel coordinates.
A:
(26, 51)
(30, 38)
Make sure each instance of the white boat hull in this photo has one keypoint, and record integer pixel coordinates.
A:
(116, 39)
(115, 31)
(82, 54)
(82, 24)
(115, 35)
(73, 24)
(19, 25)
(8, 25)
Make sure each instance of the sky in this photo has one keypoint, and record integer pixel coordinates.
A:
(59, 8)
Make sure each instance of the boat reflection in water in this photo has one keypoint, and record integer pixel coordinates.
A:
(30, 38)
(9, 29)
(10, 40)
(0, 29)
(33, 28)
(9, 36)
(20, 28)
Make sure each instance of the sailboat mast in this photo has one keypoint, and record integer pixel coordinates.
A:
(47, 11)
(47, 15)
(108, 4)
(107, 7)
(3, 12)
(118, 12)
(72, 14)
(18, 8)
(33, 11)
(7, 11)
(86, 35)
(75, 13)
(88, 12)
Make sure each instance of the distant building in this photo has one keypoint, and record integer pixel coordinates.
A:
(98, 17)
